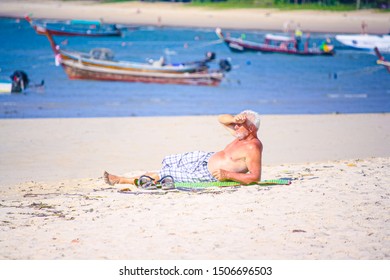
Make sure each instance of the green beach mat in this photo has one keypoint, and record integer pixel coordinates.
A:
(201, 186)
(230, 184)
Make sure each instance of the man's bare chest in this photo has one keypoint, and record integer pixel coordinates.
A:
(235, 152)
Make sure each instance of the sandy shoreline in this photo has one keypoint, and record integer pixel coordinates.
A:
(56, 149)
(177, 14)
(338, 210)
(55, 205)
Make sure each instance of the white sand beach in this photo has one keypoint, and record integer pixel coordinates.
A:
(55, 205)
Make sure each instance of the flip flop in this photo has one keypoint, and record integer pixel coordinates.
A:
(147, 183)
(166, 183)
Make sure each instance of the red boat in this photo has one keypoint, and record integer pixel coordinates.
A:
(275, 44)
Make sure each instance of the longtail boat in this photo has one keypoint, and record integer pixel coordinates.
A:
(381, 60)
(99, 64)
(75, 28)
(275, 44)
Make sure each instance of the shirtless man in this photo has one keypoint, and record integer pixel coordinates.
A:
(240, 161)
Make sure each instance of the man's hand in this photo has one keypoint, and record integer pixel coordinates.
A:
(239, 119)
(220, 174)
(230, 121)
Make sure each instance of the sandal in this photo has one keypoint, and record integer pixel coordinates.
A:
(166, 182)
(146, 182)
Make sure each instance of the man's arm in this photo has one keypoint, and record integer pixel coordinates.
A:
(229, 121)
(254, 163)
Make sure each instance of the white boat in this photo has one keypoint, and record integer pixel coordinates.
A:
(366, 42)
(5, 87)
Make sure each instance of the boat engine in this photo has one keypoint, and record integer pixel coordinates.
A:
(19, 81)
(225, 65)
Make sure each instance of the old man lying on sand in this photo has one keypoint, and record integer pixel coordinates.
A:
(239, 161)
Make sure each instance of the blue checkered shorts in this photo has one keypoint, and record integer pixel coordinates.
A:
(187, 167)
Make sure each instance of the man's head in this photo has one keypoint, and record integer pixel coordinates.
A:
(252, 117)
(249, 127)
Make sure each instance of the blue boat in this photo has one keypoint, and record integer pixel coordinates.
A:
(90, 28)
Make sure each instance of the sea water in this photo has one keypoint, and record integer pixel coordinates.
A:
(348, 82)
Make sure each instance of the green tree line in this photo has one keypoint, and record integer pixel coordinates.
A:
(343, 4)
(358, 3)
(288, 4)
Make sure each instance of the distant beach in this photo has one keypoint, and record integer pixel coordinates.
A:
(179, 14)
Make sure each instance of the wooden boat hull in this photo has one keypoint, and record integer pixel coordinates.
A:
(84, 66)
(81, 33)
(133, 66)
(79, 71)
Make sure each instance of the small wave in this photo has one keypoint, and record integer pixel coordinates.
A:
(113, 104)
(347, 95)
(169, 52)
(157, 100)
(9, 103)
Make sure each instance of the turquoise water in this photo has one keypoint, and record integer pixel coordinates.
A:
(349, 82)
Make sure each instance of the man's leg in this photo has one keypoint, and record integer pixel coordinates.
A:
(113, 179)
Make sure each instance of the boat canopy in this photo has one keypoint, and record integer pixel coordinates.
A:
(85, 22)
(280, 38)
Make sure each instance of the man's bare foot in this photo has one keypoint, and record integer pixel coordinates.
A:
(111, 179)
